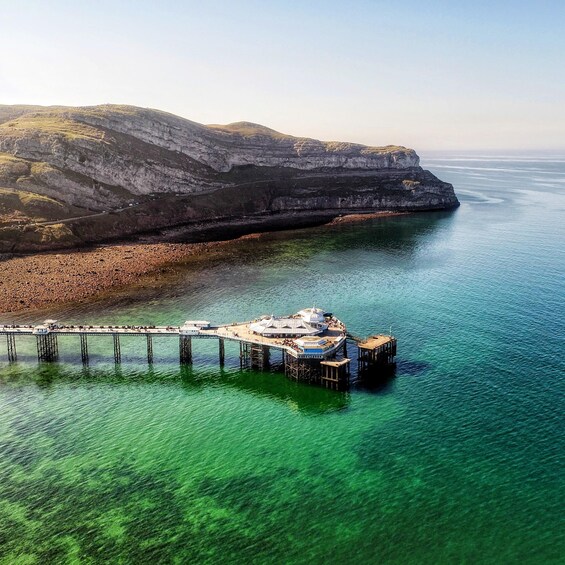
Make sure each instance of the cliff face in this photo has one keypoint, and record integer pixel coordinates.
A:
(149, 169)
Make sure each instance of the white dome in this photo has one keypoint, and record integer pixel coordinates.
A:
(312, 315)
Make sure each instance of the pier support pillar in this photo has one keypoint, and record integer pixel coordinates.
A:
(12, 353)
(335, 374)
(185, 349)
(117, 349)
(47, 347)
(260, 356)
(244, 354)
(345, 347)
(84, 349)
(222, 351)
(307, 370)
(149, 349)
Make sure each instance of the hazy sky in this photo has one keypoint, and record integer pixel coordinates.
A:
(427, 74)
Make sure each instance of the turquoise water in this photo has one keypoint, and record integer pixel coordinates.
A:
(454, 459)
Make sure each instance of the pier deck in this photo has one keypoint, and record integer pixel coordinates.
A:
(313, 344)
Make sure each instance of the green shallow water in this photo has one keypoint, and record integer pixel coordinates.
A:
(454, 459)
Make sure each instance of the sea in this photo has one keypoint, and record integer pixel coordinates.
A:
(455, 457)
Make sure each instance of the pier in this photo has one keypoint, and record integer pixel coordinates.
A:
(375, 351)
(312, 343)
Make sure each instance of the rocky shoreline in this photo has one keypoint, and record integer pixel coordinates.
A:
(35, 281)
(31, 282)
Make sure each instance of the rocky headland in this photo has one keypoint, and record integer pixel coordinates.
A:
(76, 176)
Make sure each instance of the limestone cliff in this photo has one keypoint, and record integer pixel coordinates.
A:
(77, 175)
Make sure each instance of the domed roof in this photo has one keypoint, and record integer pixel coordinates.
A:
(312, 315)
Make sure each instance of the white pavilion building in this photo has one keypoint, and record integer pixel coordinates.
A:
(308, 322)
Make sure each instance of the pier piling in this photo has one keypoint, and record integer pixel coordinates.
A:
(260, 356)
(335, 374)
(47, 347)
(117, 349)
(12, 353)
(84, 349)
(307, 370)
(149, 349)
(244, 354)
(221, 351)
(185, 349)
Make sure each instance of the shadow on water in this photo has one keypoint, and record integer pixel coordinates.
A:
(383, 381)
(403, 234)
(412, 368)
(377, 382)
(301, 397)
(273, 385)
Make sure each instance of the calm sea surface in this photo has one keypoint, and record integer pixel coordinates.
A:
(454, 459)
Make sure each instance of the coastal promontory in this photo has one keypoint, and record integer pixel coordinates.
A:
(73, 176)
